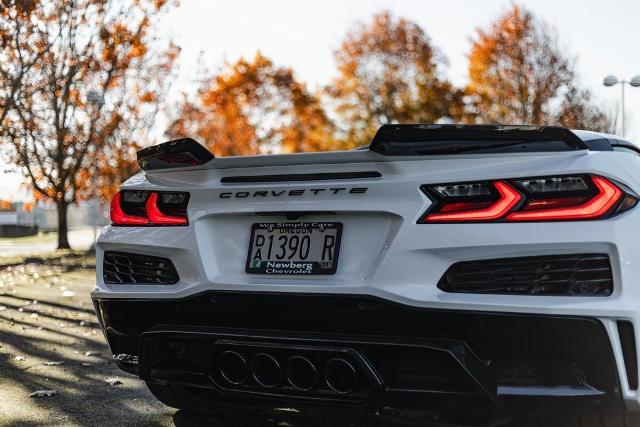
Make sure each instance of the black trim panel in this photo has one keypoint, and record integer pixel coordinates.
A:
(629, 352)
(299, 177)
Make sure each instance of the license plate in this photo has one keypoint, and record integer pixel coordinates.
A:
(291, 248)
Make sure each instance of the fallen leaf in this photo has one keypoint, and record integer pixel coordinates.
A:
(92, 353)
(44, 393)
(19, 358)
(113, 381)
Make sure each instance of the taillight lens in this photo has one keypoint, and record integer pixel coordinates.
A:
(146, 208)
(507, 198)
(577, 197)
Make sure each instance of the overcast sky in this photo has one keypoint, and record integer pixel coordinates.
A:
(603, 36)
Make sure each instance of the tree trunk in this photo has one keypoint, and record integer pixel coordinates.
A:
(63, 241)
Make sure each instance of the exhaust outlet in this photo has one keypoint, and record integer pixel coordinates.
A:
(301, 373)
(340, 376)
(233, 367)
(266, 370)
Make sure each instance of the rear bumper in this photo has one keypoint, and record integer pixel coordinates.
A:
(404, 357)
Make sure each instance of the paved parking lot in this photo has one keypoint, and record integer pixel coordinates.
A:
(50, 341)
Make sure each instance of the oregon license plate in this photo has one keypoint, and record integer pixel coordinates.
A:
(306, 248)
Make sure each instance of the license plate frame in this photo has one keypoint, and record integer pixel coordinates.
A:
(316, 269)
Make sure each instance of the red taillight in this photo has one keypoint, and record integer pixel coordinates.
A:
(508, 198)
(157, 217)
(607, 197)
(119, 217)
(144, 208)
(533, 199)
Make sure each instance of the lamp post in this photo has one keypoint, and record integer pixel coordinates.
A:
(96, 100)
(612, 80)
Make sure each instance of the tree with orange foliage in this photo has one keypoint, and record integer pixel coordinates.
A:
(389, 72)
(254, 107)
(519, 74)
(53, 54)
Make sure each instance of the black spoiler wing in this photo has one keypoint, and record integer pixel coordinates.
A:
(424, 139)
(173, 154)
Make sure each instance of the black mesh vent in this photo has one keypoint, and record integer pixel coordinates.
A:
(580, 275)
(128, 268)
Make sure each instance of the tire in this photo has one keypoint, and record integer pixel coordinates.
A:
(199, 401)
(173, 396)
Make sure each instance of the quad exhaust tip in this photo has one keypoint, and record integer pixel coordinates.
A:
(266, 370)
(301, 373)
(340, 375)
(233, 367)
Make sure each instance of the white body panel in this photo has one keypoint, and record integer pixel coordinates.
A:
(384, 252)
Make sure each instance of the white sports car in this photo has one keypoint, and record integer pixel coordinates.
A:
(469, 273)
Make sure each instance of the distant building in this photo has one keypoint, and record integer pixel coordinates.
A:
(17, 220)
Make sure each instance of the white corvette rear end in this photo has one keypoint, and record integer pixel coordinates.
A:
(492, 269)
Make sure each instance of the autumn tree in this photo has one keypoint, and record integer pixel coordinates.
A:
(389, 71)
(83, 78)
(251, 107)
(520, 74)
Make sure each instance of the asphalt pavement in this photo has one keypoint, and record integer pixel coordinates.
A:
(50, 342)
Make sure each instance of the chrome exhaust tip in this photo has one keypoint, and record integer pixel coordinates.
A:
(340, 376)
(233, 367)
(301, 373)
(266, 370)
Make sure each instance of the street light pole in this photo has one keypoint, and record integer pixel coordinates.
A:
(96, 100)
(622, 108)
(612, 80)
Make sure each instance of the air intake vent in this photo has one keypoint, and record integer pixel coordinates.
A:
(576, 275)
(127, 268)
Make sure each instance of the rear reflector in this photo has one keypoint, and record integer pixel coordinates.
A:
(578, 275)
(558, 198)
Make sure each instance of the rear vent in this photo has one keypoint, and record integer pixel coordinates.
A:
(127, 268)
(300, 177)
(629, 352)
(576, 275)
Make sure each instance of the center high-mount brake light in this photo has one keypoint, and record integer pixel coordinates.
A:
(144, 208)
(557, 198)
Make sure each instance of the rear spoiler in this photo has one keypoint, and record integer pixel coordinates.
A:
(173, 154)
(418, 139)
(402, 140)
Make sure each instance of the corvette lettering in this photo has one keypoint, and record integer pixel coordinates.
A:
(292, 193)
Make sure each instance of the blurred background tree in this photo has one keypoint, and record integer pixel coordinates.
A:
(82, 82)
(253, 107)
(520, 74)
(83, 79)
(389, 72)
